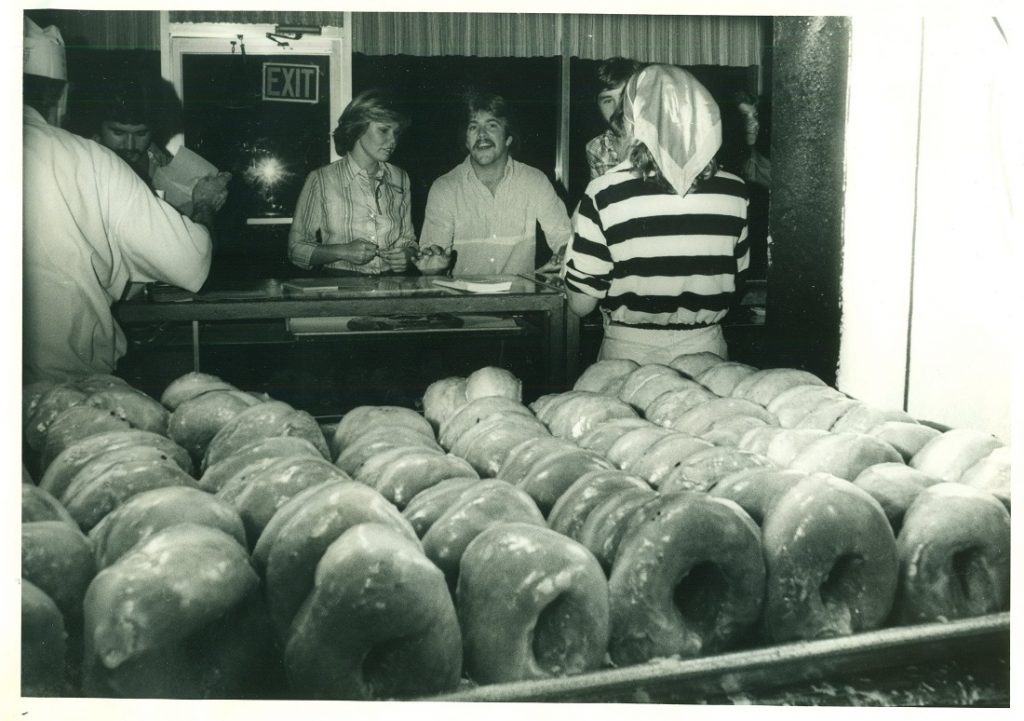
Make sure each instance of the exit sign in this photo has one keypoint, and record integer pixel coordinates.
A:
(287, 83)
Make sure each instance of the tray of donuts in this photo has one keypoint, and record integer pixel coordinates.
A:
(215, 543)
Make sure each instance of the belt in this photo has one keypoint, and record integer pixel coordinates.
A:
(657, 326)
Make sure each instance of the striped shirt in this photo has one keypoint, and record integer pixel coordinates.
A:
(342, 202)
(653, 257)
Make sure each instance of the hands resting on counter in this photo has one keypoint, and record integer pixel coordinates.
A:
(208, 197)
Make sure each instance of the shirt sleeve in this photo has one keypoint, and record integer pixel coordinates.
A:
(588, 263)
(439, 217)
(551, 215)
(309, 217)
(594, 159)
(742, 249)
(156, 242)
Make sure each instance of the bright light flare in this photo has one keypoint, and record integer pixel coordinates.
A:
(267, 171)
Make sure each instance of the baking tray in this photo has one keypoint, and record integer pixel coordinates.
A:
(751, 672)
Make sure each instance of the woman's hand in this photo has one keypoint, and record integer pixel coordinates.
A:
(397, 259)
(357, 252)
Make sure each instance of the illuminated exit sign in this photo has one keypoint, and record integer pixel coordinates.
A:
(287, 83)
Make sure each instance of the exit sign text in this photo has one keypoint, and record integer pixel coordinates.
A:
(291, 83)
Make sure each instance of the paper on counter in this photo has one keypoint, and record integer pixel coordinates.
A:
(469, 286)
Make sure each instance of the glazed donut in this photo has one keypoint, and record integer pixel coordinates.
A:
(73, 425)
(764, 385)
(573, 418)
(301, 532)
(756, 489)
(43, 644)
(632, 444)
(361, 419)
(666, 407)
(598, 375)
(258, 453)
(572, 508)
(486, 445)
(190, 385)
(532, 604)
(608, 522)
(39, 505)
(475, 412)
(523, 455)
(378, 624)
(405, 477)
(554, 472)
(693, 364)
(687, 580)
(665, 456)
(954, 554)
(493, 381)
(195, 422)
(479, 507)
(428, 505)
(700, 471)
(894, 486)
(264, 420)
(376, 441)
(721, 378)
(66, 466)
(177, 617)
(948, 456)
(649, 381)
(601, 437)
(442, 398)
(151, 511)
(57, 558)
(831, 560)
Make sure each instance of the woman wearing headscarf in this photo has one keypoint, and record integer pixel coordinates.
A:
(660, 240)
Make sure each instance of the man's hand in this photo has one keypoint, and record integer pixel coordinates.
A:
(432, 260)
(209, 193)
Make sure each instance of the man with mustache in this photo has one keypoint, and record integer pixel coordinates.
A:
(487, 208)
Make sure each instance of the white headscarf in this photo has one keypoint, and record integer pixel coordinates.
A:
(676, 118)
(44, 52)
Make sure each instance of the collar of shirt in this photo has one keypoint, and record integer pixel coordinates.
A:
(353, 171)
(467, 169)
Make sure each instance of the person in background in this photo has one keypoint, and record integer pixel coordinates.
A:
(602, 150)
(487, 208)
(747, 158)
(661, 241)
(354, 215)
(90, 226)
(127, 109)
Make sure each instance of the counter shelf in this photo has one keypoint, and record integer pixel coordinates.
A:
(258, 311)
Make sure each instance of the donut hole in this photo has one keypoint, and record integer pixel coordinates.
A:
(699, 595)
(558, 637)
(842, 586)
(972, 587)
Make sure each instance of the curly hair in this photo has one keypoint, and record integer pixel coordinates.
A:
(613, 72)
(369, 106)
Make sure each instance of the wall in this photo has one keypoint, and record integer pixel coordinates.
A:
(928, 321)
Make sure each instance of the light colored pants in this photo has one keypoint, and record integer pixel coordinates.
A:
(660, 346)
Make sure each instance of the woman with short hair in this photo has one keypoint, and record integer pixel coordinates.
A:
(354, 216)
(660, 242)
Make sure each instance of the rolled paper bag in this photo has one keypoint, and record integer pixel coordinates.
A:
(179, 177)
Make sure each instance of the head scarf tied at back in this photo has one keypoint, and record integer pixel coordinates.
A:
(677, 119)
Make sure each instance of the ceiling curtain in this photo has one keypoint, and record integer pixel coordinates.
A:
(676, 39)
(671, 39)
(259, 17)
(493, 35)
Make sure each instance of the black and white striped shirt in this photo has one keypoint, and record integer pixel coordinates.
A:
(653, 257)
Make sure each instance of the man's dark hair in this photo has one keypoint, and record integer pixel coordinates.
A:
(41, 93)
(476, 101)
(369, 106)
(129, 95)
(615, 71)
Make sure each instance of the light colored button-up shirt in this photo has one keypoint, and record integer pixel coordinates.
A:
(91, 225)
(494, 233)
(342, 202)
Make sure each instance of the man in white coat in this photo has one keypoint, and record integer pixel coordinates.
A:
(91, 226)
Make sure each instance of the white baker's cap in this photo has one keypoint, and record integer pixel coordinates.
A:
(44, 52)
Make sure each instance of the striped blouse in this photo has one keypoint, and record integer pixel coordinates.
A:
(653, 257)
(342, 202)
